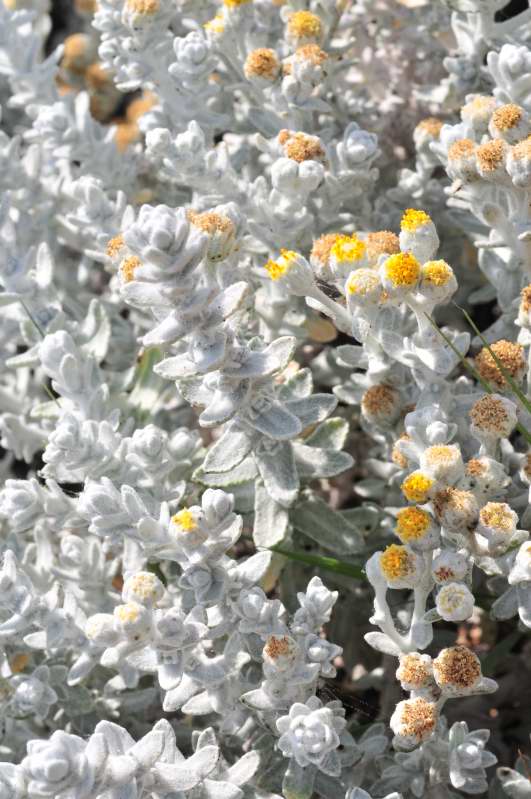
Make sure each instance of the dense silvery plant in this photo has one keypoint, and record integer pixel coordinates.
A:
(259, 462)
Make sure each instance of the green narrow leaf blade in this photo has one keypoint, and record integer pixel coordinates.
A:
(329, 564)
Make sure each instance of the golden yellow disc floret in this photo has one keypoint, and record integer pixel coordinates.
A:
(412, 524)
(507, 116)
(185, 519)
(276, 269)
(348, 248)
(396, 562)
(128, 267)
(363, 282)
(402, 270)
(413, 219)
(305, 25)
(127, 613)
(436, 273)
(143, 7)
(498, 516)
(416, 487)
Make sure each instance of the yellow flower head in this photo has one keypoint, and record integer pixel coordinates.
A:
(277, 269)
(436, 273)
(126, 613)
(305, 25)
(348, 248)
(402, 270)
(185, 520)
(115, 245)
(145, 585)
(127, 268)
(416, 487)
(412, 524)
(498, 516)
(236, 3)
(413, 219)
(396, 562)
(363, 282)
(215, 25)
(143, 8)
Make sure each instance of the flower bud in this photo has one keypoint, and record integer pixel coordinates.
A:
(292, 270)
(493, 417)
(490, 160)
(416, 528)
(413, 722)
(477, 112)
(519, 164)
(418, 235)
(457, 671)
(363, 288)
(509, 122)
(443, 462)
(415, 672)
(281, 652)
(437, 281)
(399, 566)
(381, 404)
(456, 510)
(400, 274)
(462, 161)
(133, 619)
(145, 588)
(262, 66)
(100, 628)
(449, 566)
(418, 487)
(497, 523)
(304, 28)
(454, 602)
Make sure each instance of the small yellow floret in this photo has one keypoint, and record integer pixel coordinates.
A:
(144, 585)
(126, 613)
(348, 248)
(363, 282)
(215, 25)
(275, 269)
(402, 269)
(395, 562)
(278, 268)
(416, 487)
(114, 246)
(236, 3)
(497, 515)
(437, 273)
(127, 268)
(412, 524)
(185, 519)
(143, 7)
(304, 25)
(413, 219)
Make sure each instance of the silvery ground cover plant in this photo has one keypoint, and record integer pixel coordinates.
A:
(265, 399)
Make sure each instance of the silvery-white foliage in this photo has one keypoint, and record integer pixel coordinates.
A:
(235, 239)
